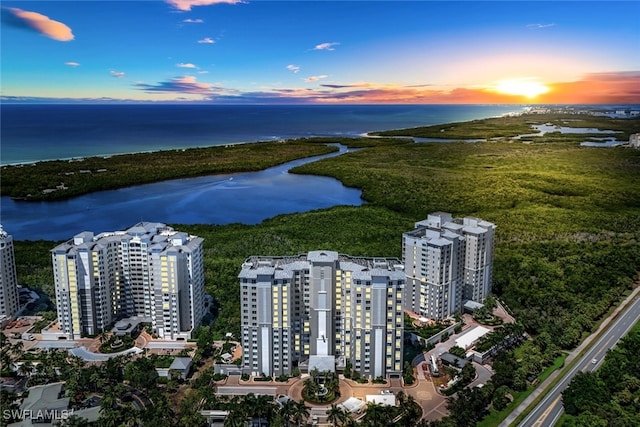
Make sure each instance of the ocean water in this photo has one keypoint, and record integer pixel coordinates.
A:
(36, 132)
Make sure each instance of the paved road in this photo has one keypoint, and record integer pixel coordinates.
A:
(550, 408)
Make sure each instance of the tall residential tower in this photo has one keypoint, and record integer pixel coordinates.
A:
(322, 310)
(9, 302)
(149, 270)
(447, 262)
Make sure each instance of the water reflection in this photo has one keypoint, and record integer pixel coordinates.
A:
(247, 198)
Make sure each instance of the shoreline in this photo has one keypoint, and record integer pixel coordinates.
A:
(349, 122)
(195, 147)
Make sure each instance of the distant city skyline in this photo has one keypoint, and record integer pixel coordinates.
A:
(367, 52)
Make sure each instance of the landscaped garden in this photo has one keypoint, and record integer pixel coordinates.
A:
(321, 387)
(116, 344)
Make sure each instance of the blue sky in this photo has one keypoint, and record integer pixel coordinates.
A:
(322, 52)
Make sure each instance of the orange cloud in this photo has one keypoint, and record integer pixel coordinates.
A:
(596, 88)
(315, 78)
(43, 24)
(602, 88)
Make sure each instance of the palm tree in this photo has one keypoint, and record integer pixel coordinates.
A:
(77, 362)
(17, 349)
(131, 417)
(410, 411)
(26, 369)
(301, 412)
(103, 337)
(109, 418)
(336, 415)
(97, 380)
(109, 398)
(236, 418)
(287, 410)
(377, 415)
(75, 421)
(260, 406)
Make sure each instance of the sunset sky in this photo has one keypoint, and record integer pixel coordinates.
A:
(229, 51)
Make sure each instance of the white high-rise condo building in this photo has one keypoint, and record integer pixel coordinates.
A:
(9, 302)
(320, 311)
(447, 261)
(149, 271)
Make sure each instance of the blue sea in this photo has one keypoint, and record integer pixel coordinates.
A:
(36, 132)
(32, 133)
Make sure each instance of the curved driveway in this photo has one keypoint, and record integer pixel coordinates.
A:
(89, 356)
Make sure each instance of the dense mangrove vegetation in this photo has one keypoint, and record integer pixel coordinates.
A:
(511, 126)
(70, 178)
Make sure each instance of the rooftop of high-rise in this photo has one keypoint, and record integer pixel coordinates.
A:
(157, 236)
(441, 225)
(284, 266)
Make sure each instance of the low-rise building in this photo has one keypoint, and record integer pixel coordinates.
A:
(48, 404)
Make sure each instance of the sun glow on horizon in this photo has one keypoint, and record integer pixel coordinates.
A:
(523, 87)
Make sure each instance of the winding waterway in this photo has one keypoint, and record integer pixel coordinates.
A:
(247, 198)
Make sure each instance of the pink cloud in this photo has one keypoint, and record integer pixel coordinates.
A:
(72, 64)
(186, 5)
(43, 24)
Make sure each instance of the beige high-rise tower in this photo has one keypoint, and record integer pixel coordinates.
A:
(9, 302)
(149, 271)
(447, 261)
(320, 311)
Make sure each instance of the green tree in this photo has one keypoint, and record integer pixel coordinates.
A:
(500, 399)
(468, 373)
(586, 392)
(336, 415)
(458, 351)
(301, 413)
(410, 411)
(585, 420)
(75, 421)
(407, 374)
(376, 415)
(26, 368)
(141, 374)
